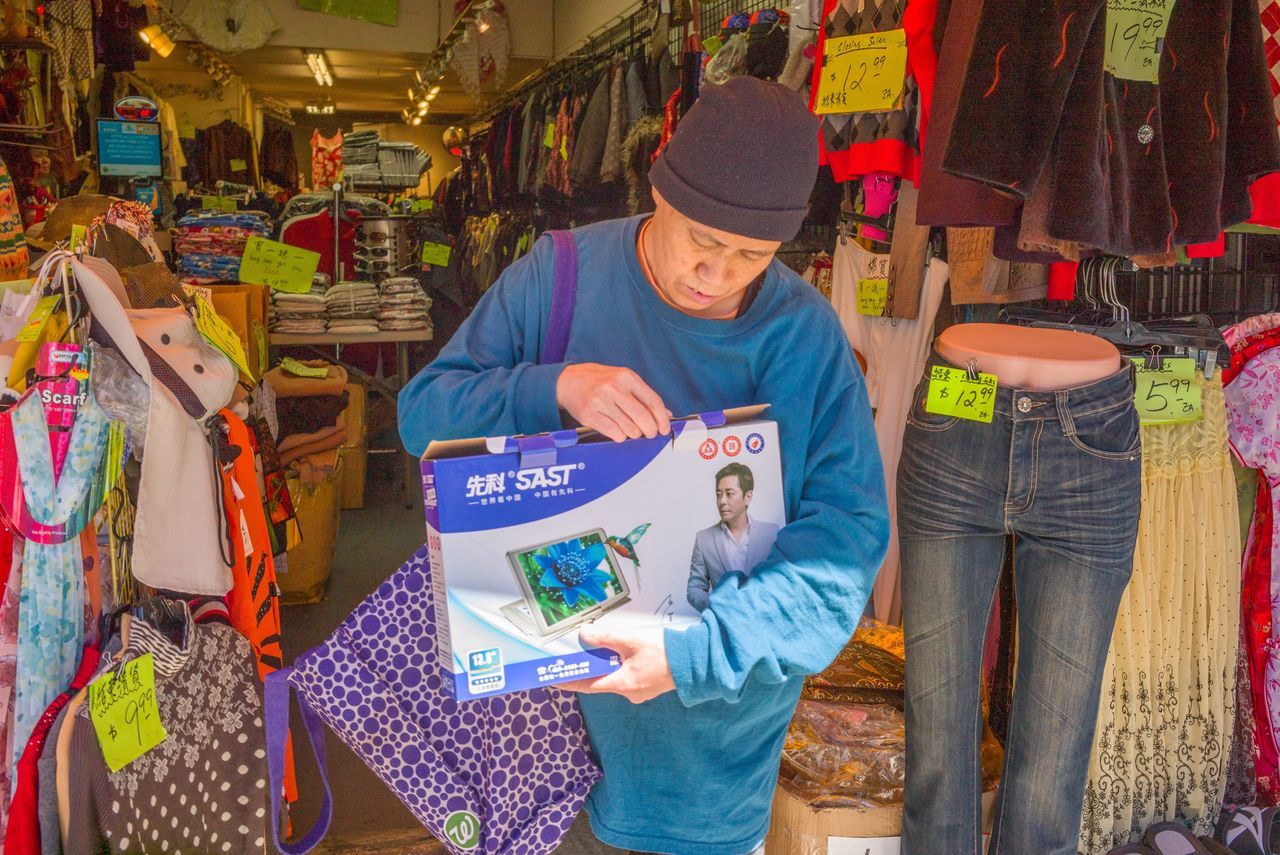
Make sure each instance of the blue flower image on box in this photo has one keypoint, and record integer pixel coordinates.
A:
(570, 577)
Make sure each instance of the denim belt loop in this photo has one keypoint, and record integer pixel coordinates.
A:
(1064, 412)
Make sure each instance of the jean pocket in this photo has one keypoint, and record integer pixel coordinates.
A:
(1109, 434)
(919, 417)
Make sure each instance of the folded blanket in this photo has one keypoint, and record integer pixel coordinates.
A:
(286, 385)
(295, 440)
(300, 451)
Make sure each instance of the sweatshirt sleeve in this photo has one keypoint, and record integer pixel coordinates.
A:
(801, 605)
(487, 380)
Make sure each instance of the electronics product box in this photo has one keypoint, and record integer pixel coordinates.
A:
(532, 537)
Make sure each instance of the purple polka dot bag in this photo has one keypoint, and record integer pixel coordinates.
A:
(504, 775)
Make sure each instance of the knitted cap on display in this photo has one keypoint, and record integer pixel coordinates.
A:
(743, 160)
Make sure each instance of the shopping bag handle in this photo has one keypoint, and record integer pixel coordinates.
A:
(276, 714)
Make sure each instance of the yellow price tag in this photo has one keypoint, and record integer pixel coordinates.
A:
(79, 235)
(952, 393)
(1169, 394)
(436, 254)
(1135, 38)
(238, 165)
(863, 74)
(124, 711)
(278, 266)
(219, 203)
(115, 454)
(297, 369)
(873, 296)
(419, 205)
(712, 45)
(549, 138)
(37, 319)
(219, 333)
(564, 147)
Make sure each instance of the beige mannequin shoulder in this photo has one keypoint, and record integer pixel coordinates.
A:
(1030, 358)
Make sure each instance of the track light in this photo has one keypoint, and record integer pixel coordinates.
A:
(321, 108)
(433, 92)
(416, 120)
(319, 65)
(154, 37)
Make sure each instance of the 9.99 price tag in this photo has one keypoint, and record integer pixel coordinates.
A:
(125, 715)
(953, 393)
(1169, 394)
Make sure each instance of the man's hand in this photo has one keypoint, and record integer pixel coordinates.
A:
(644, 674)
(613, 401)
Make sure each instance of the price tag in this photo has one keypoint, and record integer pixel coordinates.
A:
(193, 290)
(420, 205)
(79, 234)
(37, 319)
(863, 74)
(123, 708)
(1169, 394)
(297, 369)
(278, 266)
(549, 139)
(564, 147)
(238, 165)
(115, 454)
(437, 254)
(219, 203)
(1135, 38)
(712, 45)
(219, 333)
(952, 393)
(873, 296)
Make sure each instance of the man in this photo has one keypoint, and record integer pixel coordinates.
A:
(682, 312)
(736, 544)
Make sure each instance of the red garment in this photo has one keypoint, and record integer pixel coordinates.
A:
(22, 836)
(887, 155)
(326, 160)
(315, 232)
(1062, 280)
(1212, 249)
(1255, 596)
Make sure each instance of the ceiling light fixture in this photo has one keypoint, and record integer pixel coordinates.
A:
(416, 120)
(319, 65)
(433, 92)
(157, 39)
(321, 108)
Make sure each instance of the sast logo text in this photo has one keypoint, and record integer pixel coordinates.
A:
(495, 483)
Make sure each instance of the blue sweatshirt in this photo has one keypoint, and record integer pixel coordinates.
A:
(693, 771)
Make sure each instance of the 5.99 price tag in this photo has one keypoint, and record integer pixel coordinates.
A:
(952, 393)
(1169, 394)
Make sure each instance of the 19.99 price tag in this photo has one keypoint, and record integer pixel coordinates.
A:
(1169, 394)
(953, 393)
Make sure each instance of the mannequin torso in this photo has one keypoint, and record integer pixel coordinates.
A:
(1028, 358)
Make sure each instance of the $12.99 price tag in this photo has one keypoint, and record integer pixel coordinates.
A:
(1169, 394)
(952, 393)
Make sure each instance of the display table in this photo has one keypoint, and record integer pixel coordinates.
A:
(401, 339)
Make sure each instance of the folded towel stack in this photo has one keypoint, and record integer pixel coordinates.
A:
(403, 305)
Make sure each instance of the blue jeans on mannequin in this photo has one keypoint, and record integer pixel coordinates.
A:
(1061, 470)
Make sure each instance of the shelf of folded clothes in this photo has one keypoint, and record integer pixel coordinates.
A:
(403, 305)
(352, 307)
(210, 244)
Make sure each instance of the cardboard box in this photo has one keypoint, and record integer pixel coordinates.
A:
(532, 537)
(798, 829)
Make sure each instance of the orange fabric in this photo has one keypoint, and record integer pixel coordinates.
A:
(253, 602)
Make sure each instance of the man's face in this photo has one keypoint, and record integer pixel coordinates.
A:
(702, 271)
(730, 500)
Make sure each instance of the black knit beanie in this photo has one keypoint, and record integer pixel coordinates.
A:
(743, 160)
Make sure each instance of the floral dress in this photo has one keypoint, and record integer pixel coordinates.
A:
(326, 160)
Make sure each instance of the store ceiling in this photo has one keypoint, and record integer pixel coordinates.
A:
(365, 82)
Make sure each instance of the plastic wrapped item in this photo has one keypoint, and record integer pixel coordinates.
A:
(123, 395)
(845, 755)
(731, 61)
(854, 755)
